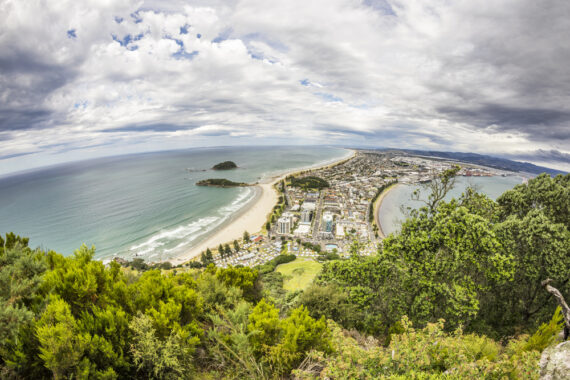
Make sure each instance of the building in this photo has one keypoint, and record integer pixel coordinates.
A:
(327, 222)
(284, 225)
(339, 231)
(303, 229)
(289, 216)
(306, 211)
(306, 216)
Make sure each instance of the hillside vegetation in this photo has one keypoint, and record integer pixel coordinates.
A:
(309, 182)
(455, 295)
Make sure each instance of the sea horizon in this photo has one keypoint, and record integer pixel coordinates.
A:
(143, 204)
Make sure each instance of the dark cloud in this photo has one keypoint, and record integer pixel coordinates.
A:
(21, 119)
(543, 124)
(27, 79)
(553, 155)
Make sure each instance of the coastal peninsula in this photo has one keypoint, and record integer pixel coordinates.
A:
(220, 182)
(226, 165)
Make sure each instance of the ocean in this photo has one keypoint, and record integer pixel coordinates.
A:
(142, 205)
(391, 214)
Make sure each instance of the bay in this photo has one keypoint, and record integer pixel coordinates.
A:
(397, 200)
(144, 205)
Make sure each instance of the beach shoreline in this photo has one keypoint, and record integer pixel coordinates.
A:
(253, 215)
(377, 206)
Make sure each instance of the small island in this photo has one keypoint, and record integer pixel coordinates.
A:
(226, 165)
(220, 182)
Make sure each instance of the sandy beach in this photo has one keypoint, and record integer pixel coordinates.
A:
(251, 217)
(377, 206)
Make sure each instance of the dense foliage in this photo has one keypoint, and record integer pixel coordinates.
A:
(431, 304)
(474, 262)
(66, 317)
(309, 182)
(226, 165)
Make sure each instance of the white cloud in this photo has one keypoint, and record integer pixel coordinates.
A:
(437, 75)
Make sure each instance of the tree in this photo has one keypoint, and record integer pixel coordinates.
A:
(12, 240)
(438, 188)
(228, 250)
(157, 358)
(61, 343)
(551, 195)
(246, 237)
(355, 248)
(236, 246)
(21, 272)
(243, 278)
(209, 255)
(532, 225)
(264, 323)
(540, 249)
(20, 275)
(300, 333)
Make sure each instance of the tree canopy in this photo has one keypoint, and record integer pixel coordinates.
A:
(434, 302)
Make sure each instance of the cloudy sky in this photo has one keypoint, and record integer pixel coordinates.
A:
(80, 79)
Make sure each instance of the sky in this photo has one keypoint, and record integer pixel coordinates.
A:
(82, 79)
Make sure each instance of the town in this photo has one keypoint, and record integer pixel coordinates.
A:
(329, 212)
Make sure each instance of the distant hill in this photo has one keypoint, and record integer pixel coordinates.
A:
(226, 165)
(483, 160)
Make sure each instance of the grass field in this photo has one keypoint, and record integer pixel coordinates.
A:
(298, 274)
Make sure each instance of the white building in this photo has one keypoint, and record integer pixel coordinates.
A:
(284, 225)
(306, 216)
(289, 216)
(303, 229)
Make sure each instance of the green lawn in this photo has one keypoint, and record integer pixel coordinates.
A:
(298, 274)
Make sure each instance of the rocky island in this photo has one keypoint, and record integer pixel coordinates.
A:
(220, 182)
(226, 165)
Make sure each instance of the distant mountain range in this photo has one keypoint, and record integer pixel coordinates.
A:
(483, 160)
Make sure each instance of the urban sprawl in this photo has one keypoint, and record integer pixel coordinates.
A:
(330, 211)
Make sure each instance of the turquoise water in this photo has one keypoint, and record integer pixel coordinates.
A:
(146, 204)
(391, 214)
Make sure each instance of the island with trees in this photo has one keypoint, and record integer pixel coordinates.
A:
(220, 182)
(226, 165)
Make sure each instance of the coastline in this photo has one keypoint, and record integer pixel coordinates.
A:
(377, 206)
(253, 215)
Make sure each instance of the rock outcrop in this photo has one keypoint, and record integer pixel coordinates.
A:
(555, 362)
